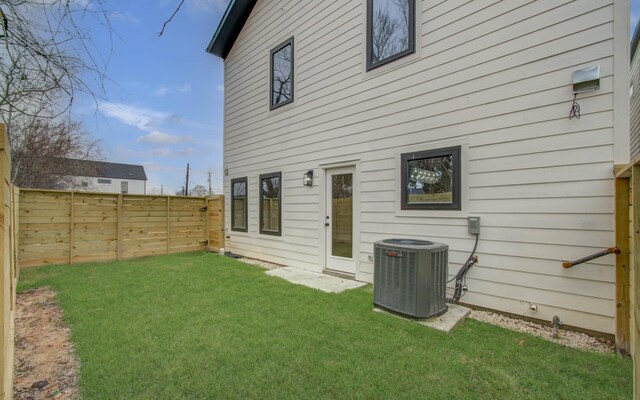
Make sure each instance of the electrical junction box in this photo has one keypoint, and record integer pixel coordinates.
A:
(474, 225)
(586, 79)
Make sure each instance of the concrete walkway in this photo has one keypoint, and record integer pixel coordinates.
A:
(326, 283)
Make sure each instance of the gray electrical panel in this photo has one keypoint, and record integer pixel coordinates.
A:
(474, 225)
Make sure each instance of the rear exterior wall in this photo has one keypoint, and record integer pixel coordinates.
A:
(491, 76)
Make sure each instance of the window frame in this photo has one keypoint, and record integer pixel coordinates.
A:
(246, 204)
(273, 52)
(456, 195)
(104, 181)
(412, 37)
(124, 187)
(267, 176)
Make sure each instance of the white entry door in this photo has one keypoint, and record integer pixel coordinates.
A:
(339, 220)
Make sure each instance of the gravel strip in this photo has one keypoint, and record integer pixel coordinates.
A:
(567, 338)
(259, 263)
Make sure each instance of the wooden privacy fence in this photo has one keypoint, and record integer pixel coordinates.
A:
(627, 188)
(8, 267)
(58, 227)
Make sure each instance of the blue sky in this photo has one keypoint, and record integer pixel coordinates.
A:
(164, 104)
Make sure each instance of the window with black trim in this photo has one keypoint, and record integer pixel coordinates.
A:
(104, 181)
(239, 204)
(390, 30)
(271, 204)
(431, 179)
(282, 74)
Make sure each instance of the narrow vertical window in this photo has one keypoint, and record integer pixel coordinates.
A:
(282, 74)
(124, 187)
(390, 30)
(239, 204)
(270, 204)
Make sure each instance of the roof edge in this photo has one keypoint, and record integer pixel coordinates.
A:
(222, 22)
(634, 41)
(231, 23)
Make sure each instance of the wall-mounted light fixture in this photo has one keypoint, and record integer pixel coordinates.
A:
(307, 178)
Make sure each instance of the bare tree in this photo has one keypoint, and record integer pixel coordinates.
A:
(390, 29)
(47, 153)
(382, 40)
(47, 57)
(198, 191)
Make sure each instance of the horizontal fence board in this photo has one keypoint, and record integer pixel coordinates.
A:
(59, 227)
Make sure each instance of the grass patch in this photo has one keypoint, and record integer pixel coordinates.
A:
(194, 326)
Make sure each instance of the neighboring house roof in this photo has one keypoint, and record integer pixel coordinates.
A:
(230, 26)
(103, 169)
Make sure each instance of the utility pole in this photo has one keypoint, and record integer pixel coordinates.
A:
(186, 185)
(209, 183)
(161, 189)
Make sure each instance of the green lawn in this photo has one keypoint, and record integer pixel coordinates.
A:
(199, 326)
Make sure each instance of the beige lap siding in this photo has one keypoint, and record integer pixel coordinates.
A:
(493, 77)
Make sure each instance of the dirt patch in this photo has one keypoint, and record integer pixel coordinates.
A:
(45, 363)
(568, 338)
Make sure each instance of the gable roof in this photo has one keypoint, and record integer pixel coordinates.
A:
(230, 26)
(103, 169)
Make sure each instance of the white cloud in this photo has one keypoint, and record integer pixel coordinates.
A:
(220, 88)
(166, 152)
(186, 88)
(125, 17)
(142, 118)
(165, 90)
(208, 6)
(156, 137)
(161, 91)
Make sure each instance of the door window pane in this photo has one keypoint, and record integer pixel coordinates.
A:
(342, 215)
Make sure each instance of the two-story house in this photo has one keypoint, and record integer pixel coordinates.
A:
(352, 121)
(108, 177)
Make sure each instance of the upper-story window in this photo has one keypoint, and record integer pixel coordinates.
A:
(282, 74)
(390, 30)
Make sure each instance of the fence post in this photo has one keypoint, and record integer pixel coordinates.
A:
(221, 236)
(71, 230)
(207, 222)
(623, 322)
(168, 224)
(119, 227)
(635, 273)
